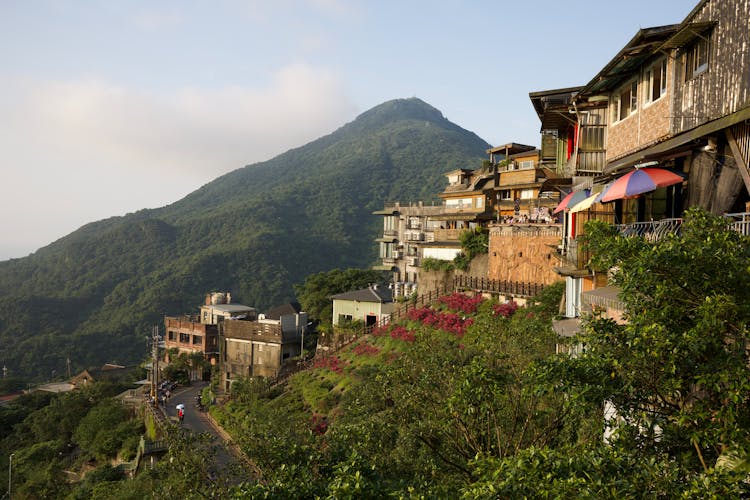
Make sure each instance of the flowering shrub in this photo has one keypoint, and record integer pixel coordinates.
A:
(505, 310)
(379, 331)
(333, 363)
(401, 333)
(461, 302)
(447, 321)
(365, 349)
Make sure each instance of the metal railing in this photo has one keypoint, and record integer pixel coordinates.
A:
(653, 230)
(656, 230)
(740, 222)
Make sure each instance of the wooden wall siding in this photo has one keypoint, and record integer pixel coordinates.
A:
(725, 87)
(741, 133)
(515, 177)
(252, 330)
(738, 138)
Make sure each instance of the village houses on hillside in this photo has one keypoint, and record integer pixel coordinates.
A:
(664, 126)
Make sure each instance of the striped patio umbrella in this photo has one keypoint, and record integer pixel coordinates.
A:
(639, 181)
(571, 199)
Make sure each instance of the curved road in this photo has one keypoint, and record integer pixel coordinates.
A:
(227, 464)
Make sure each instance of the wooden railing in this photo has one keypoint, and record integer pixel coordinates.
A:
(504, 287)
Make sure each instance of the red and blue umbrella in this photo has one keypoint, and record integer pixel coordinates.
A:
(571, 199)
(639, 181)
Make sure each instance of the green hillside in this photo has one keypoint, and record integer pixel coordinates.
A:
(92, 295)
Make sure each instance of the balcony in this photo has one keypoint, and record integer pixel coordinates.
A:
(740, 222)
(412, 261)
(653, 230)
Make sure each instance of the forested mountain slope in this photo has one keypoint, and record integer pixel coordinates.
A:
(92, 295)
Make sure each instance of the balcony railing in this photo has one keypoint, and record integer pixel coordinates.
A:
(653, 230)
(740, 222)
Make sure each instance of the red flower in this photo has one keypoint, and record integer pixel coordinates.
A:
(505, 310)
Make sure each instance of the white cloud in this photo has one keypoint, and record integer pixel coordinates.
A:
(100, 148)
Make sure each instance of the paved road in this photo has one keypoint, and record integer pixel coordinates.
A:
(197, 421)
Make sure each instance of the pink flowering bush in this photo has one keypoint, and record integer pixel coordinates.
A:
(447, 321)
(365, 349)
(401, 333)
(461, 302)
(333, 363)
(505, 310)
(379, 331)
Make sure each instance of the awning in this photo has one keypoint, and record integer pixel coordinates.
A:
(606, 296)
(555, 184)
(571, 199)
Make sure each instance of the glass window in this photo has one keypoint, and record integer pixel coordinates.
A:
(696, 59)
(656, 81)
(505, 194)
(389, 223)
(625, 102)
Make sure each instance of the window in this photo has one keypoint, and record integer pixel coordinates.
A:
(479, 202)
(386, 250)
(696, 59)
(171, 335)
(656, 81)
(197, 339)
(525, 164)
(505, 194)
(625, 102)
(184, 338)
(527, 194)
(459, 203)
(389, 223)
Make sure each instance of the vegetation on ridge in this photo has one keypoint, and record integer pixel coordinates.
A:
(94, 295)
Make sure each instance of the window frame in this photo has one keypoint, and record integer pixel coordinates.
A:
(661, 68)
(627, 92)
(696, 58)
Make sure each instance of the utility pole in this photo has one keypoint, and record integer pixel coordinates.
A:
(10, 476)
(155, 366)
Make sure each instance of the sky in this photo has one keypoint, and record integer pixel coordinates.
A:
(109, 107)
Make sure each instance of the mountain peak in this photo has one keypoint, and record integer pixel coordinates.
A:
(394, 110)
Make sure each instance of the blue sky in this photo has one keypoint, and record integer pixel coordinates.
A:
(110, 107)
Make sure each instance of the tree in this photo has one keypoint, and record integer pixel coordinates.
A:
(677, 372)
